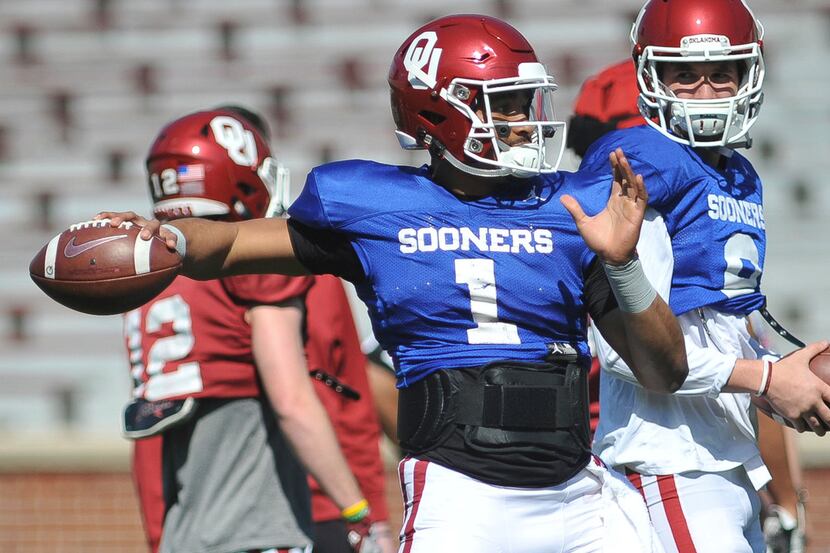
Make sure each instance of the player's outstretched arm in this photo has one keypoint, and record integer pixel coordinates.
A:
(213, 249)
(643, 330)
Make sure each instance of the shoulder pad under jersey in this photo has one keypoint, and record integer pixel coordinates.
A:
(337, 193)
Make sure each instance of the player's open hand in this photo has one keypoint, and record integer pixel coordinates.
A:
(150, 227)
(797, 394)
(613, 232)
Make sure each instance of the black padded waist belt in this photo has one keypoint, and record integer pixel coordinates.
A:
(516, 396)
(504, 404)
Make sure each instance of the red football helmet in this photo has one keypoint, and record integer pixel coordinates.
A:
(443, 81)
(691, 31)
(215, 164)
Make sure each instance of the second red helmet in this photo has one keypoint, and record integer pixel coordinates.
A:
(698, 31)
(217, 164)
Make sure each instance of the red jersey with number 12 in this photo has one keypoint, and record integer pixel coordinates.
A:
(193, 340)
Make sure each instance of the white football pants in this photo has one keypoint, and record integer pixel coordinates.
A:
(704, 512)
(596, 511)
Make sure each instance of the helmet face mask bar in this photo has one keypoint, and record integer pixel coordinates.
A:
(277, 180)
(717, 122)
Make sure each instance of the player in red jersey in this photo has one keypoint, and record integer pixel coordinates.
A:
(219, 368)
(607, 101)
(339, 370)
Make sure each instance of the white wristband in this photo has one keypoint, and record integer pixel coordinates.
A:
(181, 241)
(762, 389)
(632, 289)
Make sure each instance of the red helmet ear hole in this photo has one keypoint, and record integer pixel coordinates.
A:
(205, 130)
(245, 188)
(431, 117)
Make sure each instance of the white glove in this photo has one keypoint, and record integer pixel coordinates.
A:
(783, 532)
(372, 538)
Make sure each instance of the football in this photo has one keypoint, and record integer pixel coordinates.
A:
(820, 365)
(98, 269)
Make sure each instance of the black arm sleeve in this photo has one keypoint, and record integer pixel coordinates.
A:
(599, 298)
(325, 252)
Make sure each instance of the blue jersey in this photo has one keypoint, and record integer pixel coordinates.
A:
(453, 283)
(715, 218)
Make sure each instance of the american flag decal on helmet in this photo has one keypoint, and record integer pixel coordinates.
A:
(190, 173)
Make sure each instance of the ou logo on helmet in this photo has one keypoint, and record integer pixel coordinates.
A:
(421, 61)
(236, 139)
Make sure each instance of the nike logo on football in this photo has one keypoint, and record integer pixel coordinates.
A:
(72, 249)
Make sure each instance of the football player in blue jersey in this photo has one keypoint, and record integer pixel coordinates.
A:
(694, 454)
(479, 271)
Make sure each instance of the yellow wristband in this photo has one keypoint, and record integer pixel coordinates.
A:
(356, 512)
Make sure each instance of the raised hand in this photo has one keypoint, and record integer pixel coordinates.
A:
(613, 232)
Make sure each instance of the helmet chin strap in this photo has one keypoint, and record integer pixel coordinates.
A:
(521, 156)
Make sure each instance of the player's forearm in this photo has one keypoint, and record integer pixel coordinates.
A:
(207, 246)
(708, 368)
(358, 433)
(656, 348)
(643, 329)
(278, 351)
(309, 431)
(217, 249)
(746, 376)
(708, 371)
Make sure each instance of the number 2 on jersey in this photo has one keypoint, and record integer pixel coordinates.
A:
(187, 377)
(743, 266)
(480, 277)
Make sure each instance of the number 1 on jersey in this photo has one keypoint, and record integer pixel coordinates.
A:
(480, 277)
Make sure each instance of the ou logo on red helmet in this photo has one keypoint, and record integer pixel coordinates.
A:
(422, 54)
